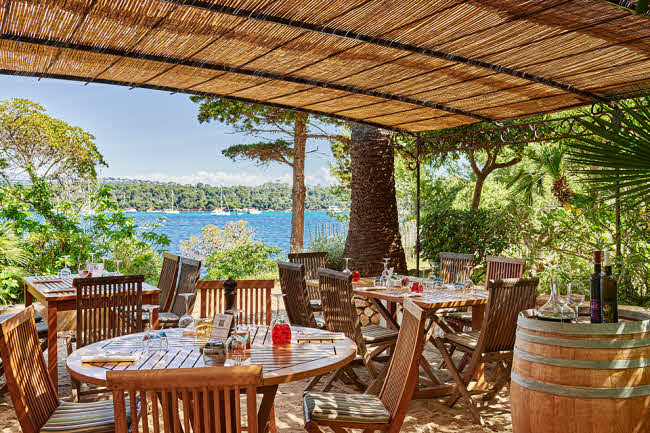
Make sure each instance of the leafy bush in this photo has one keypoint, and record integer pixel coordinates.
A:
(334, 245)
(477, 231)
(244, 261)
(10, 287)
(214, 239)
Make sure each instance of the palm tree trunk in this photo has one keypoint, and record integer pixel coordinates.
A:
(298, 188)
(374, 225)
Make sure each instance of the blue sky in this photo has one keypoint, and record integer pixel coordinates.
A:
(148, 134)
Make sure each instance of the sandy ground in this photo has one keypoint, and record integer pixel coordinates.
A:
(428, 415)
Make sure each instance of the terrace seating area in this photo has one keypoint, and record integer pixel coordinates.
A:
(464, 346)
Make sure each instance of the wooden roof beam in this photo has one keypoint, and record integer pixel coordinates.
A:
(242, 71)
(207, 94)
(332, 31)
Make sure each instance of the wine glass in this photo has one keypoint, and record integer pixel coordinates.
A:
(280, 329)
(240, 328)
(65, 271)
(92, 257)
(186, 320)
(117, 267)
(575, 296)
(432, 270)
(386, 261)
(468, 284)
(347, 268)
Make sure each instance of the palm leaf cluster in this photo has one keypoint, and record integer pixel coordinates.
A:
(615, 157)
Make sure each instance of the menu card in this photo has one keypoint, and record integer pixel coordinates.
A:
(221, 327)
(96, 269)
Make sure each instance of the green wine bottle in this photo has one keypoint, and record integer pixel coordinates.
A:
(608, 287)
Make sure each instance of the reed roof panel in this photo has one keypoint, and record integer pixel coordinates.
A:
(409, 65)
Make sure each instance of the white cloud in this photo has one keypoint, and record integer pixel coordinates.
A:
(321, 177)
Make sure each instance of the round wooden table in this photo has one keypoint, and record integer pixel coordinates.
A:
(280, 364)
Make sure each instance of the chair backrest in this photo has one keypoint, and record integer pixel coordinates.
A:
(453, 267)
(253, 296)
(190, 271)
(505, 300)
(499, 268)
(32, 390)
(108, 307)
(403, 372)
(167, 280)
(186, 399)
(339, 311)
(296, 301)
(312, 262)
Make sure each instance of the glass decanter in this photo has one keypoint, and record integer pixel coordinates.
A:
(556, 309)
(280, 329)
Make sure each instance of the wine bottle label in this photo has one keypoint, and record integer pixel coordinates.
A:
(596, 312)
(609, 312)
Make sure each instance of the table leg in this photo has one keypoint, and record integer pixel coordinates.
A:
(52, 349)
(264, 422)
(28, 296)
(478, 315)
(390, 320)
(153, 320)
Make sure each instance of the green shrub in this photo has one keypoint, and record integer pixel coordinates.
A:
(334, 245)
(251, 260)
(478, 231)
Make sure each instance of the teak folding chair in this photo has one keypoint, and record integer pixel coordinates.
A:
(312, 262)
(34, 397)
(253, 296)
(368, 412)
(167, 280)
(341, 316)
(189, 273)
(453, 267)
(498, 268)
(493, 343)
(296, 301)
(107, 307)
(186, 399)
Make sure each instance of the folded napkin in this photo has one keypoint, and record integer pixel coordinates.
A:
(111, 357)
(48, 281)
(311, 336)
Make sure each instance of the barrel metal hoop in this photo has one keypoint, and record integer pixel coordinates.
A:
(617, 364)
(582, 328)
(580, 391)
(582, 344)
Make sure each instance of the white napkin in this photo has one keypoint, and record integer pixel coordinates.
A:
(306, 336)
(111, 357)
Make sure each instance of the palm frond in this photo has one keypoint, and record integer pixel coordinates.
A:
(615, 158)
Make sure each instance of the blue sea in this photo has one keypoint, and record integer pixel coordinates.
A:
(272, 228)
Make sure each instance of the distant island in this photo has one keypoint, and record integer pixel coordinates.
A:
(145, 196)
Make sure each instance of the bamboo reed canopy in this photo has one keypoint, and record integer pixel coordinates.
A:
(408, 65)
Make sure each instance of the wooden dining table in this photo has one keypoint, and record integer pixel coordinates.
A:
(280, 363)
(58, 294)
(433, 303)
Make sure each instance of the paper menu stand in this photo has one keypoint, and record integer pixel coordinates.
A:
(96, 269)
(221, 327)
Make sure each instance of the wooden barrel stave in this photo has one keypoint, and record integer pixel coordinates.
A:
(574, 388)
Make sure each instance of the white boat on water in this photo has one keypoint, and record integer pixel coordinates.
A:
(172, 210)
(334, 209)
(254, 211)
(220, 210)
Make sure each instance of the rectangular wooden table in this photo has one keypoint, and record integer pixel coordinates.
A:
(431, 302)
(61, 296)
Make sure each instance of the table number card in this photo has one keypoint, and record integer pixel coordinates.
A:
(221, 327)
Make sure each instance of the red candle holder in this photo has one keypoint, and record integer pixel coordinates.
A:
(356, 276)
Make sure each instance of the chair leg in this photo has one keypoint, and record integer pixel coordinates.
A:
(376, 385)
(460, 383)
(74, 384)
(314, 382)
(463, 362)
(350, 373)
(451, 353)
(502, 378)
(312, 427)
(330, 382)
(272, 427)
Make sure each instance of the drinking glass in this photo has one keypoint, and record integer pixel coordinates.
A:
(575, 296)
(386, 261)
(155, 340)
(65, 271)
(117, 267)
(186, 320)
(241, 329)
(468, 284)
(280, 329)
(432, 270)
(347, 268)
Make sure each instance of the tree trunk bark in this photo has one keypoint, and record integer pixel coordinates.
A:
(478, 189)
(298, 189)
(374, 225)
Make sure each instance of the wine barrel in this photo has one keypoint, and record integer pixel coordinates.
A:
(581, 377)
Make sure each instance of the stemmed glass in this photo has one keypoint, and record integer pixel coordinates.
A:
(347, 268)
(575, 297)
(117, 267)
(280, 329)
(386, 261)
(186, 320)
(65, 271)
(468, 284)
(154, 339)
